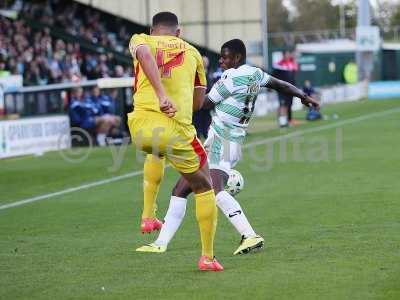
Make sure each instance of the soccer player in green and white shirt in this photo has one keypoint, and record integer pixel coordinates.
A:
(233, 98)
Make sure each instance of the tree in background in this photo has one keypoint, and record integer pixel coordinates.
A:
(278, 17)
(395, 20)
(315, 15)
(350, 14)
(395, 23)
(383, 13)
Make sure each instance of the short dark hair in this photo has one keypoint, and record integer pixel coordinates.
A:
(165, 18)
(237, 47)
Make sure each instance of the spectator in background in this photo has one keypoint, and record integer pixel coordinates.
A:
(105, 105)
(308, 88)
(286, 69)
(87, 114)
(106, 108)
(43, 59)
(312, 114)
(109, 102)
(202, 118)
(81, 112)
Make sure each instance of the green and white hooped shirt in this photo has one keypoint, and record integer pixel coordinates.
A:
(234, 96)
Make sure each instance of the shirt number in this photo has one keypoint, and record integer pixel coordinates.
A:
(174, 60)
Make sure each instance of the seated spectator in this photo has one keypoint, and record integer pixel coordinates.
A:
(106, 108)
(87, 114)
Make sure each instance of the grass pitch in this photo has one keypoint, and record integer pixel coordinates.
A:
(327, 203)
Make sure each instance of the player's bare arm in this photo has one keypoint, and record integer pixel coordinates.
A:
(199, 94)
(287, 88)
(208, 104)
(150, 69)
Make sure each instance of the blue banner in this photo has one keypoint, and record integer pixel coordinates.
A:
(384, 89)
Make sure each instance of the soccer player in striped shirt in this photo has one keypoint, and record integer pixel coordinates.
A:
(233, 98)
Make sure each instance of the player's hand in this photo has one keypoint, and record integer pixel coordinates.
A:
(310, 102)
(167, 107)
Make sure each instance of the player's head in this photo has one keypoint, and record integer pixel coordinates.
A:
(233, 54)
(165, 23)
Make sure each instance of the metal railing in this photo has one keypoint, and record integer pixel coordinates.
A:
(54, 98)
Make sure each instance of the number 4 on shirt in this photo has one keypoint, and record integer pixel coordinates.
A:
(174, 60)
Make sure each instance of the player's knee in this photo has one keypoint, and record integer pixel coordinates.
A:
(181, 191)
(202, 185)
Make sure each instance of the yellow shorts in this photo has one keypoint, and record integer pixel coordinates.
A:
(155, 133)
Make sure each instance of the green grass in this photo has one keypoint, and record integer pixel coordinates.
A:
(332, 227)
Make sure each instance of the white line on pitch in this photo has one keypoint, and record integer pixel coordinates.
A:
(71, 190)
(252, 144)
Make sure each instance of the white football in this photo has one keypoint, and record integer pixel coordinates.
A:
(235, 182)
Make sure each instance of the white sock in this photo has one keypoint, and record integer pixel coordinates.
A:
(232, 210)
(172, 221)
(101, 139)
(283, 120)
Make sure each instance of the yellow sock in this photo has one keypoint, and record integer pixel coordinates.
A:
(152, 176)
(206, 214)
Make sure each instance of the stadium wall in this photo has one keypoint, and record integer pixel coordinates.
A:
(207, 23)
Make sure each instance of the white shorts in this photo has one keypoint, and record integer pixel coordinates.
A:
(222, 153)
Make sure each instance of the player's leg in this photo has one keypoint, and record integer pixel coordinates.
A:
(173, 218)
(235, 214)
(224, 155)
(289, 102)
(175, 213)
(190, 159)
(282, 111)
(148, 133)
(206, 214)
(153, 173)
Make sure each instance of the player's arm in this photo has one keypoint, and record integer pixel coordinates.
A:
(208, 103)
(220, 91)
(150, 69)
(200, 83)
(289, 89)
(198, 98)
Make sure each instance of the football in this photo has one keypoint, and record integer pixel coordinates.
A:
(235, 182)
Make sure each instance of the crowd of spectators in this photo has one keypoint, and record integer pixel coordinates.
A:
(43, 59)
(87, 22)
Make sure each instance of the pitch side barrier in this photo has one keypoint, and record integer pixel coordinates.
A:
(53, 99)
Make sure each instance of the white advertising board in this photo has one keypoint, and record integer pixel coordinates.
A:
(34, 135)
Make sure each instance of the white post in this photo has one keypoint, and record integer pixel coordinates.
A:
(264, 32)
(364, 58)
(342, 20)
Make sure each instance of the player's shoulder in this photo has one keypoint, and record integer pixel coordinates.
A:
(253, 72)
(226, 80)
(228, 74)
(141, 35)
(136, 40)
(189, 47)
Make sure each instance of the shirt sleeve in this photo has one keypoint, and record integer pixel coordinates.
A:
(200, 80)
(222, 89)
(136, 41)
(264, 79)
